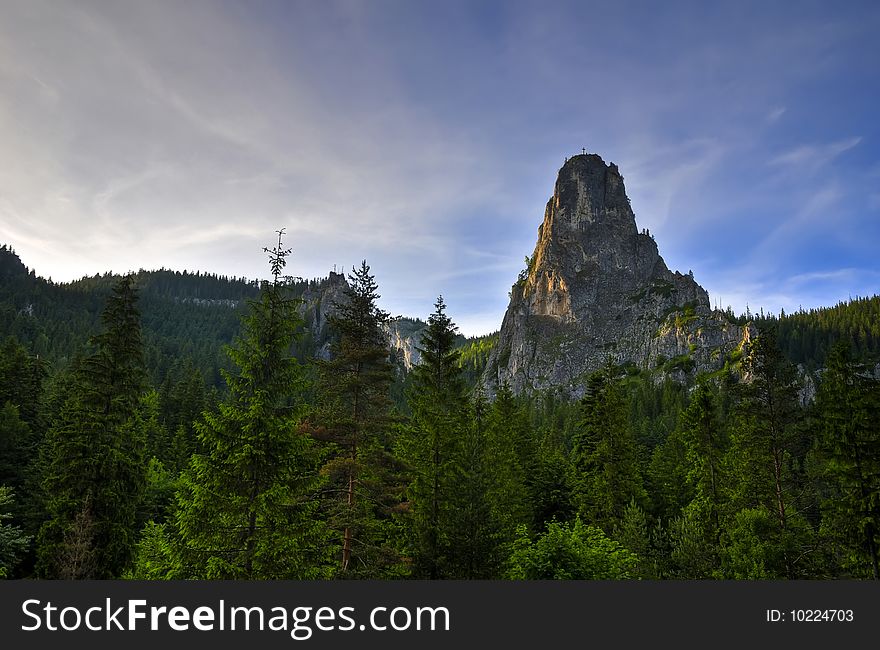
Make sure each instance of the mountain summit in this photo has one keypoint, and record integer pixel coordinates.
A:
(596, 288)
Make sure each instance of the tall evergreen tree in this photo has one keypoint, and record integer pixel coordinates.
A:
(21, 382)
(431, 444)
(247, 507)
(475, 516)
(763, 453)
(514, 455)
(705, 443)
(16, 447)
(356, 416)
(95, 468)
(500, 478)
(605, 457)
(13, 542)
(848, 407)
(694, 455)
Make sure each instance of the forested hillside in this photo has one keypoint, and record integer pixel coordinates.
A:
(124, 452)
(808, 336)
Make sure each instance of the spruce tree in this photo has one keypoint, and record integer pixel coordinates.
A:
(705, 442)
(475, 518)
(848, 422)
(432, 445)
(247, 508)
(690, 462)
(16, 448)
(94, 453)
(514, 457)
(605, 457)
(355, 416)
(763, 455)
(13, 542)
(492, 484)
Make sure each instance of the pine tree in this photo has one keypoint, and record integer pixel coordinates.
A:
(431, 445)
(605, 457)
(514, 456)
(94, 452)
(247, 508)
(633, 534)
(16, 448)
(476, 520)
(763, 454)
(13, 542)
(570, 551)
(848, 407)
(21, 383)
(553, 480)
(705, 443)
(355, 389)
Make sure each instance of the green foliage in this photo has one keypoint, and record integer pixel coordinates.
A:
(431, 446)
(156, 556)
(147, 465)
(848, 443)
(476, 520)
(767, 451)
(13, 542)
(705, 442)
(808, 336)
(355, 416)
(682, 363)
(605, 456)
(634, 534)
(553, 422)
(661, 288)
(16, 447)
(569, 552)
(247, 505)
(750, 551)
(474, 355)
(693, 538)
(527, 271)
(685, 316)
(513, 459)
(94, 462)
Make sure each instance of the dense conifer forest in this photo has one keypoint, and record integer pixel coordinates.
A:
(166, 425)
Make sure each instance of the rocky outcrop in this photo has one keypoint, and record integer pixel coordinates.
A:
(319, 302)
(596, 288)
(404, 337)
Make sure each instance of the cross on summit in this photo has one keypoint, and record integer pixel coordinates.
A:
(584, 150)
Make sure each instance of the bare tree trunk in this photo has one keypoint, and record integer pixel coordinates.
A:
(346, 544)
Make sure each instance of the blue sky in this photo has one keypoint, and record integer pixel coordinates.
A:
(426, 137)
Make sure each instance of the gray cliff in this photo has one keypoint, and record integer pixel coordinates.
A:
(596, 288)
(319, 303)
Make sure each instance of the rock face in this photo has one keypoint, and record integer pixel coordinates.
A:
(404, 337)
(319, 300)
(318, 303)
(596, 288)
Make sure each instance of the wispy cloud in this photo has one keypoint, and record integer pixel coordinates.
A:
(775, 114)
(812, 157)
(425, 136)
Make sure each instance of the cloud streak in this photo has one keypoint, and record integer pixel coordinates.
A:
(425, 138)
(813, 157)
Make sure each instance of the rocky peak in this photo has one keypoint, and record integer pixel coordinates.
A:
(597, 287)
(319, 303)
(589, 193)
